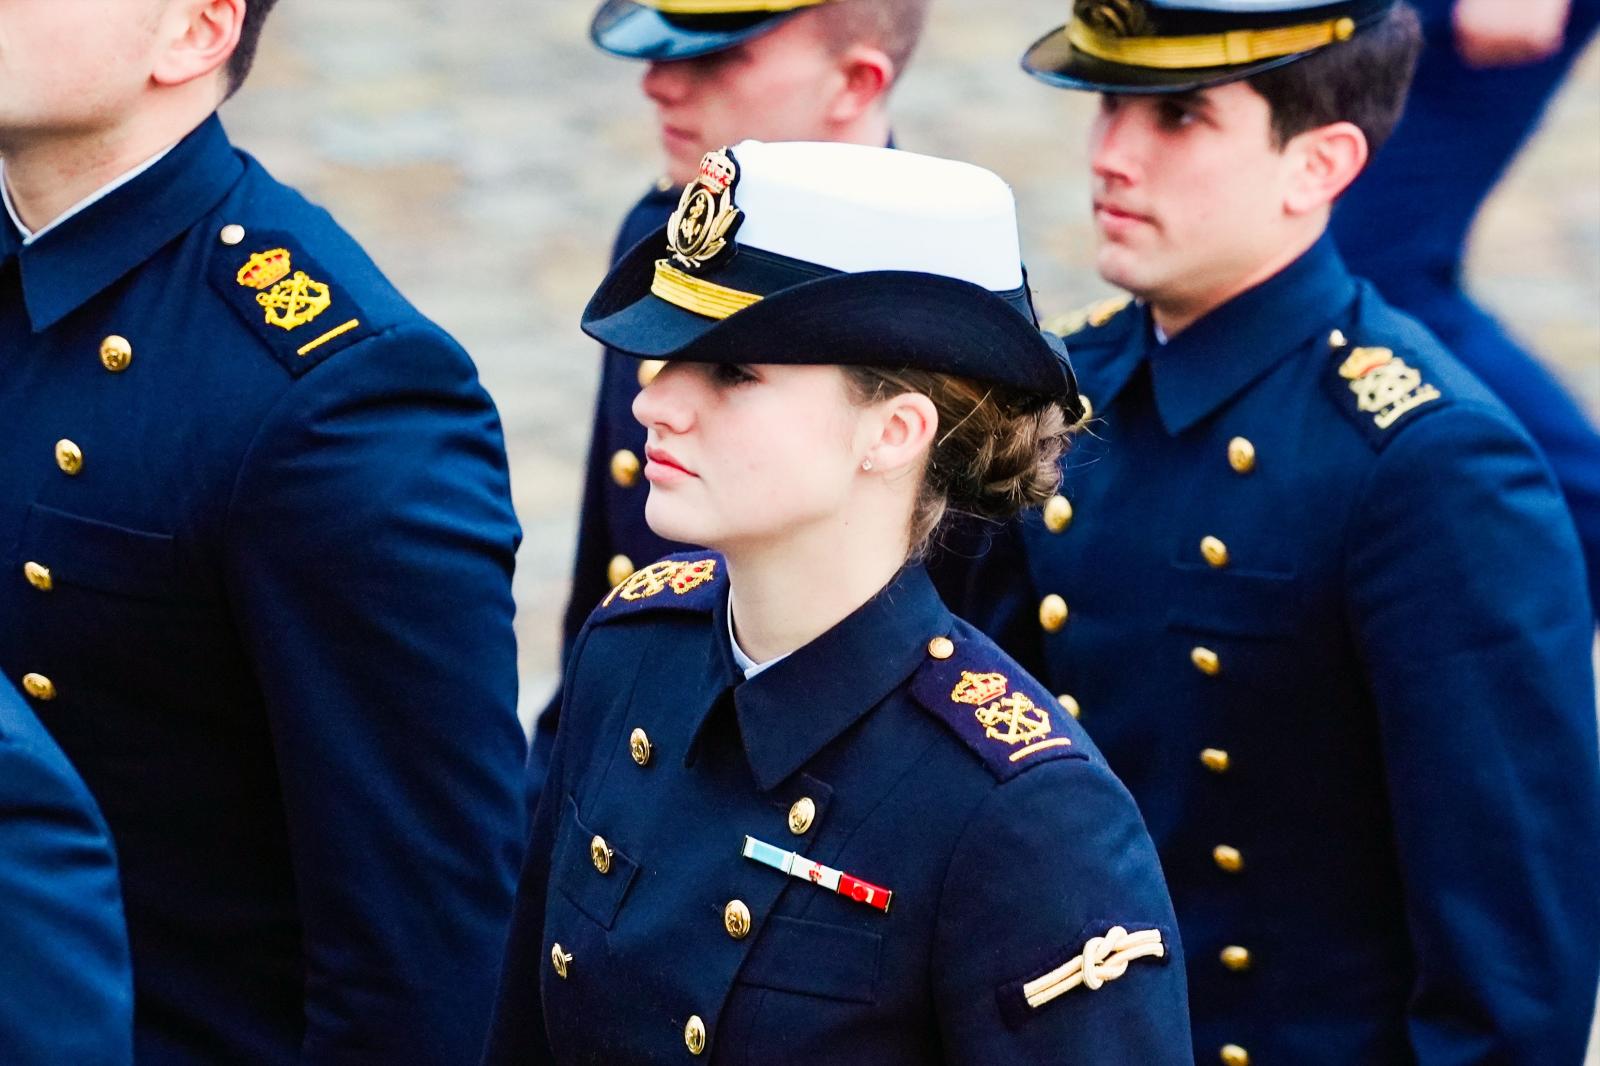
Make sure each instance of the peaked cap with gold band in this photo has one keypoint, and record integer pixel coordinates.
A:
(1170, 46)
(683, 29)
(810, 253)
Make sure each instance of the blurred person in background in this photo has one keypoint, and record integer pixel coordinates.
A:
(720, 71)
(1360, 716)
(1487, 71)
(66, 989)
(261, 545)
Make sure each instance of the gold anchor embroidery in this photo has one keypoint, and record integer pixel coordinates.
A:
(1018, 720)
(294, 301)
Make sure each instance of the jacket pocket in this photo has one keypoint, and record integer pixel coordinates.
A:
(814, 959)
(90, 554)
(597, 894)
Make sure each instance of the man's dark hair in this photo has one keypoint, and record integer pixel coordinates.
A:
(244, 56)
(1363, 81)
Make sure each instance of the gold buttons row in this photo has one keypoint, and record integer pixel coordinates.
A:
(802, 813)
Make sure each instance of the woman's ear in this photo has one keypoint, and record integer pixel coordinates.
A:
(905, 428)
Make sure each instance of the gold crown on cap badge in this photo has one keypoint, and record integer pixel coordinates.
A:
(700, 228)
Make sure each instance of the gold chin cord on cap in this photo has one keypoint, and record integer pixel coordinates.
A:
(726, 7)
(1205, 50)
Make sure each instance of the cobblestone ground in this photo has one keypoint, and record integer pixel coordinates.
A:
(486, 158)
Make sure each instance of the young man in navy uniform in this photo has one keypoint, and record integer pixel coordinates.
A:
(719, 72)
(1487, 70)
(1309, 585)
(260, 550)
(66, 989)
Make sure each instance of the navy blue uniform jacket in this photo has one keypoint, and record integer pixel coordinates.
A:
(259, 545)
(1326, 617)
(1009, 849)
(66, 989)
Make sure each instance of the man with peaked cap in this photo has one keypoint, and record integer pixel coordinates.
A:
(1487, 71)
(1308, 584)
(258, 549)
(66, 989)
(719, 71)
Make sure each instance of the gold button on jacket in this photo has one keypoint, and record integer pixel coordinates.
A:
(1057, 514)
(1234, 1055)
(694, 1035)
(625, 469)
(619, 569)
(648, 369)
(1052, 613)
(69, 457)
(1069, 705)
(39, 687)
(116, 354)
(1206, 661)
(1216, 760)
(38, 576)
(941, 648)
(1214, 552)
(1241, 455)
(1228, 858)
(801, 815)
(639, 747)
(600, 854)
(1236, 958)
(560, 960)
(736, 919)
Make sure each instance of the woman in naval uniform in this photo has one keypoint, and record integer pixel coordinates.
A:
(797, 811)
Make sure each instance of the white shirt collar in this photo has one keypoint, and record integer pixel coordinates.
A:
(29, 236)
(750, 667)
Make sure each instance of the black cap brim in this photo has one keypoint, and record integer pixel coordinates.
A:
(1054, 60)
(873, 318)
(635, 31)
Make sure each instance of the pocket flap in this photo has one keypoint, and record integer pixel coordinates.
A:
(814, 959)
(98, 555)
(1234, 602)
(598, 895)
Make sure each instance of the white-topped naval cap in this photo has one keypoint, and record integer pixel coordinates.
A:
(855, 208)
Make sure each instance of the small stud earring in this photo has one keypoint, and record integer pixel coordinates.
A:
(866, 464)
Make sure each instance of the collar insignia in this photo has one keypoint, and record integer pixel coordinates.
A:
(705, 220)
(680, 575)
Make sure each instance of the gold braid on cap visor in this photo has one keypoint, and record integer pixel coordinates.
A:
(697, 294)
(1203, 50)
(726, 7)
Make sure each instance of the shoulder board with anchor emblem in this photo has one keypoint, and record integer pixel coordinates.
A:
(692, 581)
(1092, 316)
(997, 710)
(286, 298)
(1379, 389)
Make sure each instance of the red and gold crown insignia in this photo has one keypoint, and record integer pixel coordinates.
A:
(265, 269)
(1363, 361)
(978, 689)
(692, 575)
(717, 172)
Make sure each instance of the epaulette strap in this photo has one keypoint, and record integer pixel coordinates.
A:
(999, 712)
(689, 582)
(1378, 389)
(1093, 316)
(288, 299)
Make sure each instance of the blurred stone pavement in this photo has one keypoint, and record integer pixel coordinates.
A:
(485, 153)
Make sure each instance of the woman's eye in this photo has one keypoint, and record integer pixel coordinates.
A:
(731, 374)
(1174, 116)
